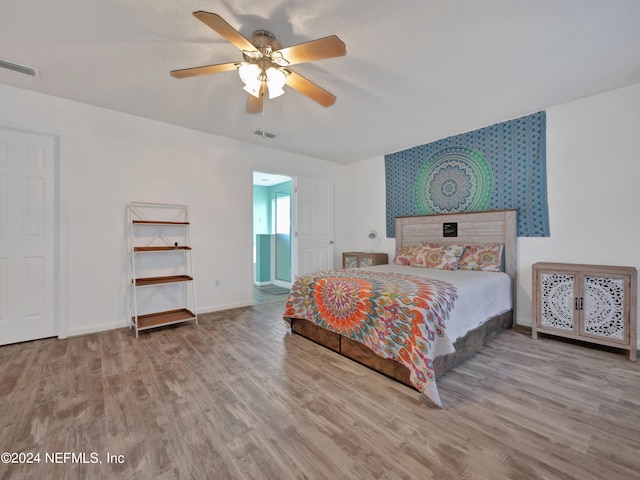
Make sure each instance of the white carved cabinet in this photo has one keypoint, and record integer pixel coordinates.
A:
(591, 303)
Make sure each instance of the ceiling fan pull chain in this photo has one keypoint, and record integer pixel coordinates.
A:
(264, 120)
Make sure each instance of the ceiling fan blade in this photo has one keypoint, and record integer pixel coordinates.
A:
(327, 47)
(254, 105)
(192, 72)
(310, 89)
(217, 23)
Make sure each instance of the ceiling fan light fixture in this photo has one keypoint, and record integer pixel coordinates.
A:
(274, 92)
(248, 72)
(253, 89)
(275, 81)
(250, 76)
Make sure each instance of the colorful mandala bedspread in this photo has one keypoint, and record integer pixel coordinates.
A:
(398, 316)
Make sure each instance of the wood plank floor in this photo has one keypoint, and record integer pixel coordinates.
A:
(237, 397)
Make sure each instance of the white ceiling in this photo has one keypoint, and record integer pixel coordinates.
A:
(415, 70)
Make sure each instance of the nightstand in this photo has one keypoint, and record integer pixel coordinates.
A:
(363, 259)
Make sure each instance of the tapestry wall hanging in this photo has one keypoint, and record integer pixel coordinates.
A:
(494, 168)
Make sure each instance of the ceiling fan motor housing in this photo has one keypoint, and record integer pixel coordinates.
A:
(265, 42)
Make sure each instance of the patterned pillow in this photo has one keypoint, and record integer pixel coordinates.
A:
(487, 258)
(406, 255)
(443, 257)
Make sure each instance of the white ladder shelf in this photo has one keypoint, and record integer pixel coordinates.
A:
(163, 291)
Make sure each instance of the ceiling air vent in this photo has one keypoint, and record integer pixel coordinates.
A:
(264, 134)
(16, 67)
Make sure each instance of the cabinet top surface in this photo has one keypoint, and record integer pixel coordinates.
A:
(582, 266)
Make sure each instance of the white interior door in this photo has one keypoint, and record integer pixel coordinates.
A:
(314, 225)
(27, 206)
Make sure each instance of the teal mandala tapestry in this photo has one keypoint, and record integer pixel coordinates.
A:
(498, 167)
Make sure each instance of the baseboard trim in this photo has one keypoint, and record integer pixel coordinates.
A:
(97, 328)
(229, 306)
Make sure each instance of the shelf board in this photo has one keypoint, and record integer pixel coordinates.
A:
(143, 282)
(155, 222)
(152, 320)
(160, 248)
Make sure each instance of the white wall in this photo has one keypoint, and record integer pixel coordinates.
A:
(108, 159)
(593, 167)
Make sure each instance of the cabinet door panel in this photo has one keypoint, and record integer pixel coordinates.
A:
(350, 261)
(604, 314)
(366, 261)
(557, 301)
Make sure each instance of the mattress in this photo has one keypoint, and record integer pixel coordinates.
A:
(481, 295)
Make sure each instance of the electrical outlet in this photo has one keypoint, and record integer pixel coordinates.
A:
(217, 282)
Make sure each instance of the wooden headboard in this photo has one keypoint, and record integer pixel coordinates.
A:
(473, 228)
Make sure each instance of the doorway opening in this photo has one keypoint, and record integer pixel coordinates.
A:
(272, 245)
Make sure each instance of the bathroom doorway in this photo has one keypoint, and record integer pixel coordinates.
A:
(272, 245)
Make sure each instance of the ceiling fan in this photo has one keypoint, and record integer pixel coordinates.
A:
(265, 68)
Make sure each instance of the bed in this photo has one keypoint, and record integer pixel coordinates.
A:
(409, 323)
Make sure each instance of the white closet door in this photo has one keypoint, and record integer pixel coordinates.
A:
(27, 206)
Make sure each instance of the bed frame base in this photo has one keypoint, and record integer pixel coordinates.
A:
(465, 347)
